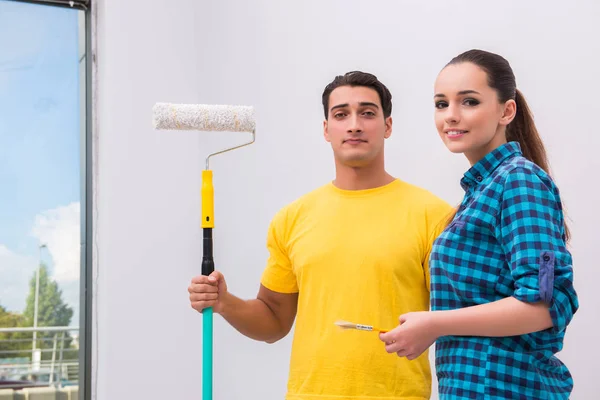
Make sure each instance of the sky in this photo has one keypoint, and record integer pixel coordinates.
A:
(39, 150)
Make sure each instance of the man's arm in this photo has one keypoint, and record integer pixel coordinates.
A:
(267, 318)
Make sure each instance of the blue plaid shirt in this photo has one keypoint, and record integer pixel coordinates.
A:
(507, 239)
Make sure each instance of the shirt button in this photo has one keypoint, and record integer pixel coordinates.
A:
(546, 257)
(479, 178)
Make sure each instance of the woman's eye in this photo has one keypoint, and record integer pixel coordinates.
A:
(471, 102)
(441, 104)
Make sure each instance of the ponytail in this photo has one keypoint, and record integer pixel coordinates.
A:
(522, 129)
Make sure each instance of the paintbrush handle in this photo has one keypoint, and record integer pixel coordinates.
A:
(362, 327)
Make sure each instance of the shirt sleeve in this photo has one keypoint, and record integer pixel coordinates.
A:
(278, 274)
(531, 232)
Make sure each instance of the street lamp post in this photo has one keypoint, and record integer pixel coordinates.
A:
(35, 303)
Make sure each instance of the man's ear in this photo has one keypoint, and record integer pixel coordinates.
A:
(388, 127)
(326, 131)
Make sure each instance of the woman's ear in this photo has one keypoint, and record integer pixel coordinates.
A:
(509, 112)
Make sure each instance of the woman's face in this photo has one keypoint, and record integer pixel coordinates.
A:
(468, 115)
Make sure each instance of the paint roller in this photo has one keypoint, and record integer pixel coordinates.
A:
(216, 118)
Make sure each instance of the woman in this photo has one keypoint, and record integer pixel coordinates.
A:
(501, 276)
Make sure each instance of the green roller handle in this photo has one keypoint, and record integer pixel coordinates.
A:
(207, 354)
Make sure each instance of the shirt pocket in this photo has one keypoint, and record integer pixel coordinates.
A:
(470, 259)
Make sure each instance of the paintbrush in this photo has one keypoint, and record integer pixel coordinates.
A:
(360, 327)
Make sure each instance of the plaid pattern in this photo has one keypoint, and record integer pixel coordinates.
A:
(507, 239)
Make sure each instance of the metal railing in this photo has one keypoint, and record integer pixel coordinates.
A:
(51, 360)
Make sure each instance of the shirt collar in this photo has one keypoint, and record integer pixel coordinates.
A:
(484, 167)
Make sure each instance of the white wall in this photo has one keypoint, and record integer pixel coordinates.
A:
(278, 56)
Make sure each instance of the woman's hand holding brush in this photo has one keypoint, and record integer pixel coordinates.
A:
(414, 335)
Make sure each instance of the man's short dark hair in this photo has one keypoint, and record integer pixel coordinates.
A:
(359, 78)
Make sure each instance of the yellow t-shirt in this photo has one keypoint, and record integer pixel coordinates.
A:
(359, 256)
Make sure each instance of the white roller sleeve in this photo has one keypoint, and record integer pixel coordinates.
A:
(202, 117)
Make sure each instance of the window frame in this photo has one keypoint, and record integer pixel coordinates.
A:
(84, 5)
(86, 190)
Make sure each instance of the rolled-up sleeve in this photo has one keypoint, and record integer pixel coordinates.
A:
(531, 231)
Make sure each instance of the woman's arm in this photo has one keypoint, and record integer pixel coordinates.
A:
(506, 317)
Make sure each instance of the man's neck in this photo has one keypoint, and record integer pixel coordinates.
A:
(361, 178)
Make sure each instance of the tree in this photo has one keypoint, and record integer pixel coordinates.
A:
(52, 310)
(12, 342)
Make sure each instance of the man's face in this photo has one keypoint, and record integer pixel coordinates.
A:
(356, 127)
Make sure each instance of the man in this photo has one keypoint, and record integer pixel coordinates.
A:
(354, 249)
